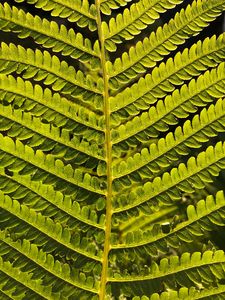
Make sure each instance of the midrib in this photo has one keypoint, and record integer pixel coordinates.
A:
(105, 259)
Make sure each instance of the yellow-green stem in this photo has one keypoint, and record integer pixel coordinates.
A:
(102, 292)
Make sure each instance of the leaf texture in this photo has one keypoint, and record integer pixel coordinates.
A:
(177, 105)
(164, 79)
(132, 21)
(111, 150)
(49, 34)
(167, 188)
(205, 216)
(147, 53)
(184, 293)
(160, 156)
(199, 264)
(79, 12)
(42, 66)
(106, 6)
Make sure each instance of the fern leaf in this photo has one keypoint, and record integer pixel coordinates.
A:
(166, 77)
(175, 270)
(207, 215)
(167, 189)
(46, 200)
(45, 230)
(74, 11)
(147, 53)
(189, 294)
(20, 158)
(60, 273)
(41, 66)
(49, 34)
(144, 222)
(168, 150)
(105, 157)
(46, 138)
(133, 20)
(177, 105)
(106, 6)
(57, 110)
(11, 277)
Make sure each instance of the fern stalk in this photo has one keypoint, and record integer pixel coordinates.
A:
(108, 221)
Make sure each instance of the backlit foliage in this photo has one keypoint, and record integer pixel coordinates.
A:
(111, 136)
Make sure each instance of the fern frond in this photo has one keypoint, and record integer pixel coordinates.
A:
(166, 190)
(199, 92)
(48, 34)
(146, 54)
(22, 159)
(43, 66)
(40, 197)
(188, 270)
(45, 230)
(49, 107)
(40, 262)
(78, 11)
(144, 222)
(11, 277)
(35, 133)
(206, 216)
(163, 80)
(133, 20)
(49, 202)
(188, 294)
(5, 295)
(104, 163)
(167, 150)
(106, 6)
